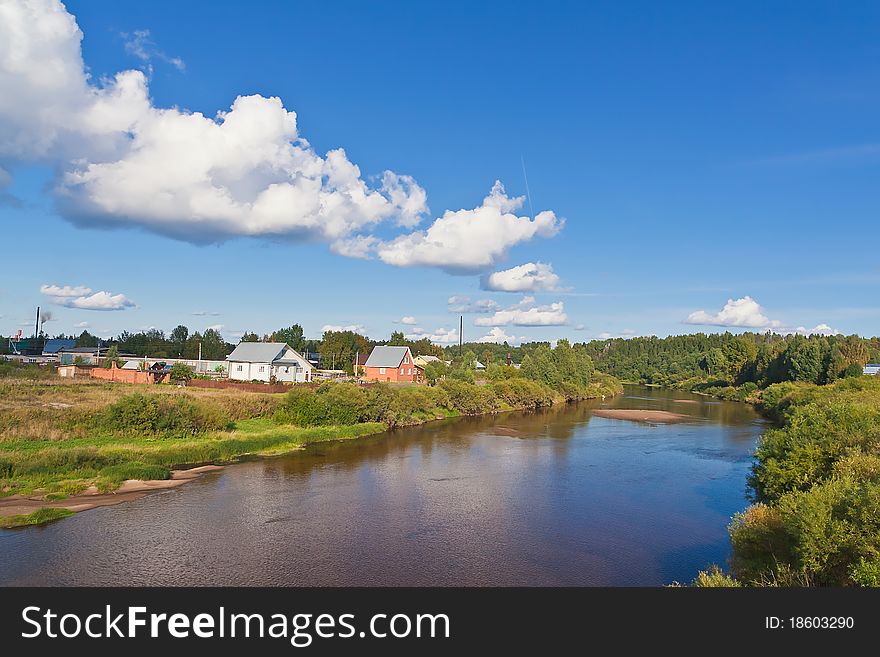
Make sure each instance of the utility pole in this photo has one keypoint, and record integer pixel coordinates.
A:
(460, 333)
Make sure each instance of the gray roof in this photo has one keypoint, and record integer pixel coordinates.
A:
(257, 352)
(132, 365)
(386, 356)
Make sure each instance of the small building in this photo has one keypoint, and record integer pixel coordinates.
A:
(393, 364)
(871, 369)
(478, 365)
(268, 361)
(424, 360)
(78, 355)
(54, 345)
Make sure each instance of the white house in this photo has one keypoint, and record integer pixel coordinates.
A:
(265, 361)
(871, 369)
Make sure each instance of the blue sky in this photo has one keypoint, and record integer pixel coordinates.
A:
(718, 163)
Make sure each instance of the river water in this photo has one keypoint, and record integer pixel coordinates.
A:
(560, 497)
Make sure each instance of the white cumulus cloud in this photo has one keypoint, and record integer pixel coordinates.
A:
(124, 161)
(465, 241)
(407, 319)
(530, 277)
(744, 312)
(527, 313)
(440, 335)
(246, 171)
(65, 290)
(498, 336)
(82, 297)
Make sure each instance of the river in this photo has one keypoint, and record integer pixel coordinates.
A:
(559, 497)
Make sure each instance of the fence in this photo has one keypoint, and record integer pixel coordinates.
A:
(245, 387)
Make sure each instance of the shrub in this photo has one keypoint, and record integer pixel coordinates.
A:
(523, 393)
(468, 398)
(162, 414)
(714, 577)
(180, 372)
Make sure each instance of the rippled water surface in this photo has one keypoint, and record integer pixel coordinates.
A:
(554, 498)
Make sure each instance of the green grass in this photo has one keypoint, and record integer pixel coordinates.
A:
(69, 467)
(39, 517)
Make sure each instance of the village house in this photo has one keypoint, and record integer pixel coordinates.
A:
(871, 369)
(393, 364)
(424, 360)
(269, 361)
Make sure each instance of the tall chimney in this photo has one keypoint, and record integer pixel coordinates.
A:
(460, 333)
(37, 325)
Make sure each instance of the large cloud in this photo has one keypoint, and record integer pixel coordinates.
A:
(744, 313)
(466, 241)
(247, 171)
(527, 313)
(530, 277)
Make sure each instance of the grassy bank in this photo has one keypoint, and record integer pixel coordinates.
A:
(815, 484)
(59, 437)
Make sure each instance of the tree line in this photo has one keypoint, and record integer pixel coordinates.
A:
(761, 359)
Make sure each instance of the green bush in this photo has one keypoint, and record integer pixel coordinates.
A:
(180, 372)
(523, 393)
(714, 577)
(468, 398)
(162, 414)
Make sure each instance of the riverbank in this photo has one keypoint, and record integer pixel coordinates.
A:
(63, 444)
(19, 511)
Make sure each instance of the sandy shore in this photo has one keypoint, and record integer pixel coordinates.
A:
(90, 498)
(664, 417)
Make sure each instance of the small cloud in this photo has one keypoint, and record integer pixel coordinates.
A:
(624, 334)
(526, 313)
(580, 327)
(498, 336)
(463, 304)
(82, 325)
(140, 44)
(819, 329)
(204, 313)
(355, 328)
(65, 290)
(530, 277)
(79, 296)
(440, 335)
(407, 319)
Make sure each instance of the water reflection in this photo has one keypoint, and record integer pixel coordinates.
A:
(550, 497)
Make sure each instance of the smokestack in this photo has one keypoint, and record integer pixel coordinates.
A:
(37, 325)
(460, 333)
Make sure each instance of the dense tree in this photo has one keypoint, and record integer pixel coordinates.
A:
(803, 360)
(292, 335)
(178, 339)
(86, 339)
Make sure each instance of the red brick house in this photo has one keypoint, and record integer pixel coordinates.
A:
(393, 364)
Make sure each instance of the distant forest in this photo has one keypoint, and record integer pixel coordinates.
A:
(758, 358)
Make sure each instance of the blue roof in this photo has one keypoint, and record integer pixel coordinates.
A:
(54, 345)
